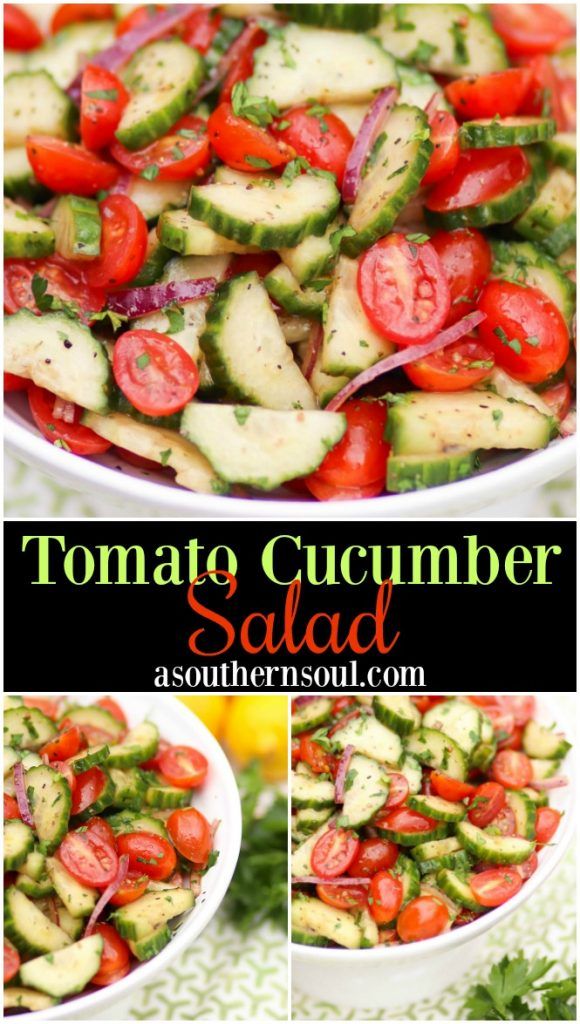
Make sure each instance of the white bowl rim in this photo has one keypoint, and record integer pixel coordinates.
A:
(456, 936)
(476, 492)
(193, 924)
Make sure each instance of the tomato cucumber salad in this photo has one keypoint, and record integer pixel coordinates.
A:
(326, 247)
(103, 853)
(415, 815)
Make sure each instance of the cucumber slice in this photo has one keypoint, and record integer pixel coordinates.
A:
(397, 164)
(551, 217)
(18, 998)
(256, 365)
(37, 889)
(433, 748)
(138, 919)
(366, 790)
(483, 755)
(50, 800)
(562, 151)
(370, 931)
(538, 741)
(459, 720)
(311, 791)
(459, 861)
(138, 745)
(79, 900)
(156, 258)
(18, 843)
(12, 701)
(407, 871)
(458, 889)
(28, 928)
(350, 343)
(76, 223)
(27, 728)
(25, 236)
(67, 971)
(89, 758)
(162, 79)
(300, 862)
(95, 717)
(324, 386)
(155, 197)
(167, 796)
(269, 213)
(449, 39)
(561, 238)
(414, 838)
(35, 865)
(417, 472)
(34, 104)
(369, 737)
(425, 423)
(181, 233)
(129, 821)
(499, 210)
(538, 798)
(59, 354)
(544, 768)
(130, 788)
(313, 916)
(313, 257)
(309, 819)
(19, 181)
(437, 808)
(297, 63)
(261, 447)
(526, 263)
(424, 852)
(311, 715)
(417, 88)
(63, 54)
(493, 849)
(490, 132)
(525, 813)
(307, 938)
(397, 712)
(283, 287)
(358, 17)
(152, 943)
(413, 773)
(73, 926)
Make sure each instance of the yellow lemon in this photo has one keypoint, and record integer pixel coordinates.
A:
(257, 727)
(211, 708)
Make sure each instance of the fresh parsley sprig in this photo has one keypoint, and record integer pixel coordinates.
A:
(511, 993)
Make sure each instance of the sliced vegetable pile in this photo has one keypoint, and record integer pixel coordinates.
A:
(330, 246)
(414, 815)
(102, 852)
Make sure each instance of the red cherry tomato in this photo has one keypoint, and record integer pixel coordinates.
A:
(343, 897)
(89, 786)
(502, 719)
(504, 823)
(373, 855)
(422, 918)
(547, 821)
(513, 741)
(110, 704)
(512, 769)
(523, 707)
(527, 869)
(486, 803)
(459, 366)
(499, 94)
(359, 458)
(152, 765)
(243, 145)
(480, 175)
(123, 243)
(319, 760)
(450, 789)
(191, 835)
(182, 154)
(11, 810)
(398, 790)
(403, 819)
(12, 382)
(240, 57)
(424, 704)
(103, 99)
(68, 167)
(183, 767)
(148, 853)
(317, 135)
(154, 372)
(11, 962)
(445, 139)
(341, 704)
(530, 28)
(386, 893)
(65, 280)
(88, 858)
(334, 853)
(524, 330)
(66, 744)
(201, 28)
(20, 31)
(101, 828)
(115, 956)
(65, 769)
(69, 14)
(559, 398)
(135, 18)
(496, 886)
(403, 289)
(544, 95)
(466, 259)
(132, 888)
(73, 437)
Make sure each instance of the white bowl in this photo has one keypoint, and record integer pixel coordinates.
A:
(385, 976)
(505, 476)
(218, 799)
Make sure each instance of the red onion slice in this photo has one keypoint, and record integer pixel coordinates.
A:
(138, 301)
(108, 893)
(554, 783)
(341, 774)
(432, 104)
(369, 131)
(568, 424)
(301, 701)
(122, 183)
(406, 355)
(21, 797)
(315, 880)
(313, 348)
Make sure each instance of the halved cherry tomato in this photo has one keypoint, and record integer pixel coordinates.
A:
(67, 167)
(155, 373)
(360, 457)
(524, 329)
(373, 855)
(50, 708)
(110, 977)
(398, 790)
(65, 280)
(512, 769)
(69, 14)
(500, 93)
(522, 707)
(496, 886)
(403, 819)
(386, 892)
(423, 918)
(341, 704)
(132, 888)
(530, 28)
(547, 821)
(183, 767)
(319, 760)
(123, 243)
(148, 853)
(480, 175)
(66, 744)
(240, 57)
(201, 28)
(243, 145)
(103, 99)
(191, 835)
(424, 704)
(317, 135)
(88, 858)
(12, 382)
(450, 789)
(486, 803)
(559, 398)
(11, 810)
(11, 962)
(20, 31)
(543, 98)
(445, 139)
(502, 719)
(89, 786)
(65, 769)
(110, 704)
(343, 897)
(139, 462)
(465, 917)
(73, 437)
(504, 823)
(100, 827)
(334, 852)
(457, 367)
(115, 956)
(261, 262)
(182, 154)
(527, 869)
(137, 17)
(152, 765)
(403, 289)
(513, 741)
(466, 259)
